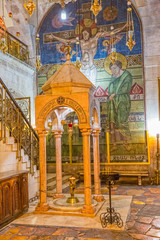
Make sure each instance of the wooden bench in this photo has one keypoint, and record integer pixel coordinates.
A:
(137, 174)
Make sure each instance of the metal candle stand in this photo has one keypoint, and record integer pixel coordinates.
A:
(110, 216)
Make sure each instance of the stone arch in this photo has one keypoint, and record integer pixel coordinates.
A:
(61, 102)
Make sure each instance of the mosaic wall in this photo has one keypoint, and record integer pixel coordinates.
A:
(123, 115)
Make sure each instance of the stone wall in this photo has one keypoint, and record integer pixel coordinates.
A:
(19, 78)
(149, 14)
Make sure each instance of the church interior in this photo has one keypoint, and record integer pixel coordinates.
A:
(79, 119)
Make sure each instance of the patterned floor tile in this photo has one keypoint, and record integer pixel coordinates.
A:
(143, 221)
(19, 238)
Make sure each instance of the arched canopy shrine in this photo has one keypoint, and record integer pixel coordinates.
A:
(68, 87)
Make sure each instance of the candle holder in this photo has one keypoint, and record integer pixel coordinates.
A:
(111, 216)
(72, 199)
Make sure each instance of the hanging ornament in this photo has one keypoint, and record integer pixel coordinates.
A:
(113, 55)
(38, 55)
(75, 122)
(17, 34)
(38, 63)
(63, 122)
(96, 7)
(70, 125)
(49, 123)
(10, 14)
(78, 64)
(130, 34)
(30, 6)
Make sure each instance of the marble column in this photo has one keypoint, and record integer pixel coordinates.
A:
(87, 208)
(42, 205)
(97, 186)
(58, 136)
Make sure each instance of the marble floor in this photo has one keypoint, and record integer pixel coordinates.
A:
(142, 222)
(121, 204)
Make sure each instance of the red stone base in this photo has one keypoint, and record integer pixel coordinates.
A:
(98, 198)
(88, 209)
(42, 207)
(58, 195)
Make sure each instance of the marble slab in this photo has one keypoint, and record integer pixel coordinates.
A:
(119, 202)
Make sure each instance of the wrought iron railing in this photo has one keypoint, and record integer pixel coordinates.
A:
(12, 119)
(14, 46)
(25, 105)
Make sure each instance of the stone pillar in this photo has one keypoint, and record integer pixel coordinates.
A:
(58, 136)
(87, 208)
(98, 197)
(42, 205)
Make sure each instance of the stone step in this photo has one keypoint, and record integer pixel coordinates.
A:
(14, 147)
(10, 140)
(5, 147)
(52, 185)
(52, 177)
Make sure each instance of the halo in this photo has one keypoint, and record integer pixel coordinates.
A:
(84, 24)
(106, 43)
(120, 57)
(110, 13)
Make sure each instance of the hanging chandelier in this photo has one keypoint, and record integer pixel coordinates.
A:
(38, 54)
(96, 7)
(130, 34)
(30, 6)
(113, 54)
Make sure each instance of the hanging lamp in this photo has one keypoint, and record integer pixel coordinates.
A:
(96, 7)
(130, 34)
(30, 6)
(113, 54)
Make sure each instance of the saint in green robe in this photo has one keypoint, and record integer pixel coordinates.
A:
(119, 108)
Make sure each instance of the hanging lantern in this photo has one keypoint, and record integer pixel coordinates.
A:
(130, 34)
(38, 63)
(63, 122)
(30, 6)
(92, 120)
(96, 7)
(10, 14)
(38, 54)
(78, 64)
(70, 125)
(49, 123)
(17, 34)
(113, 55)
(75, 123)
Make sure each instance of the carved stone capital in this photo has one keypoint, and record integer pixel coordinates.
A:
(96, 132)
(85, 132)
(57, 133)
(41, 132)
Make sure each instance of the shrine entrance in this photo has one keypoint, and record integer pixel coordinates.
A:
(68, 90)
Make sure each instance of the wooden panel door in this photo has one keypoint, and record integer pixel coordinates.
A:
(16, 201)
(6, 201)
(0, 204)
(24, 191)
